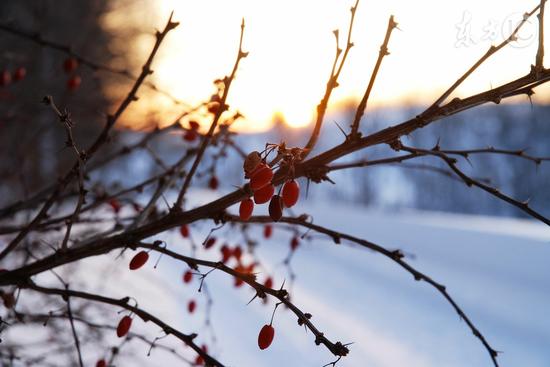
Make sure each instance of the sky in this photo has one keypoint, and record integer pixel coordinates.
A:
(292, 46)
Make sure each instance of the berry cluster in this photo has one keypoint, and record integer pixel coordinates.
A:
(261, 176)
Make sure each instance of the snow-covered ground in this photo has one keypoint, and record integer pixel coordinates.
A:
(496, 269)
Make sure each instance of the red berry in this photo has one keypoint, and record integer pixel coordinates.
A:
(209, 243)
(268, 231)
(213, 183)
(264, 194)
(187, 276)
(74, 82)
(226, 253)
(101, 363)
(246, 208)
(123, 326)
(276, 208)
(5, 78)
(291, 193)
(199, 361)
(70, 64)
(191, 306)
(115, 204)
(184, 230)
(261, 177)
(294, 243)
(268, 282)
(237, 253)
(190, 135)
(19, 73)
(194, 125)
(139, 260)
(266, 336)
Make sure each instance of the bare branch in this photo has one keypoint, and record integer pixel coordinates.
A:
(363, 104)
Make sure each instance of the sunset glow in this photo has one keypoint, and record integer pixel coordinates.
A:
(292, 48)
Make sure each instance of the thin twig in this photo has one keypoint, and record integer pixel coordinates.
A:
(100, 140)
(363, 104)
(331, 84)
(539, 63)
(396, 256)
(219, 111)
(490, 52)
(75, 335)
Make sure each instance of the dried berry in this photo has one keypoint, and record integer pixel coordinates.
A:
(101, 363)
(252, 161)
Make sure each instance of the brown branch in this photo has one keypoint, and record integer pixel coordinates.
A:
(100, 140)
(331, 84)
(219, 111)
(75, 335)
(524, 206)
(490, 52)
(363, 104)
(131, 335)
(491, 150)
(395, 256)
(37, 38)
(144, 315)
(67, 122)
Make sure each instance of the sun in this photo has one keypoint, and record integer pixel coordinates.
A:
(291, 50)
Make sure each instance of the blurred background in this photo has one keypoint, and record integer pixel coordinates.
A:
(277, 88)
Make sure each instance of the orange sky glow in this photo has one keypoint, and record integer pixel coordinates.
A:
(292, 47)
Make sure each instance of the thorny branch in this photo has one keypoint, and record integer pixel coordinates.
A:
(100, 140)
(316, 169)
